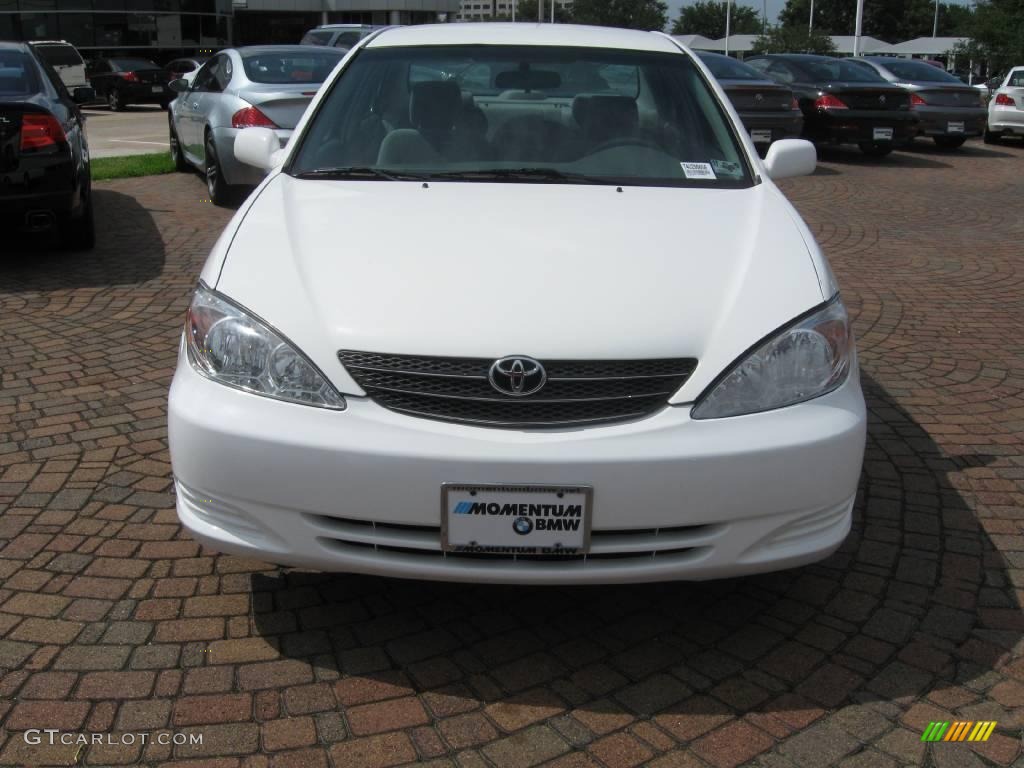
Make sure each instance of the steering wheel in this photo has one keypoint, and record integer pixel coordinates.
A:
(627, 141)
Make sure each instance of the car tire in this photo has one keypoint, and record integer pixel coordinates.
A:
(80, 234)
(177, 155)
(949, 142)
(115, 101)
(874, 149)
(991, 137)
(221, 193)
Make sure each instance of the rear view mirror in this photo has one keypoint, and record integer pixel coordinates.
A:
(83, 95)
(258, 147)
(790, 157)
(178, 86)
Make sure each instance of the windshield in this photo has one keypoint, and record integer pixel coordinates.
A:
(918, 71)
(837, 70)
(310, 66)
(17, 75)
(132, 65)
(522, 113)
(726, 68)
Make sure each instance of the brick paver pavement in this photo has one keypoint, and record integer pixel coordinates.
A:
(112, 620)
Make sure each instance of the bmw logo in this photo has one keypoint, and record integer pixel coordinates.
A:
(522, 525)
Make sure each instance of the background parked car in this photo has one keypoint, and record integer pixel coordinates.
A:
(768, 109)
(1006, 108)
(44, 158)
(124, 81)
(342, 36)
(268, 86)
(843, 102)
(947, 109)
(65, 59)
(184, 68)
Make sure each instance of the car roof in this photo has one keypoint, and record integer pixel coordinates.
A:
(252, 49)
(51, 42)
(502, 33)
(796, 56)
(6, 45)
(351, 26)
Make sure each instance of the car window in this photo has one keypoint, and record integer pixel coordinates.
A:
(726, 68)
(911, 71)
(317, 38)
(55, 81)
(588, 115)
(1016, 79)
(781, 71)
(348, 39)
(59, 55)
(204, 78)
(304, 67)
(17, 75)
(222, 71)
(131, 65)
(838, 70)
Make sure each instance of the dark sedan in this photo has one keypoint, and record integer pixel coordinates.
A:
(948, 109)
(44, 159)
(768, 109)
(843, 102)
(124, 81)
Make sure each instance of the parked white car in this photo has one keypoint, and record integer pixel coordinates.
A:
(519, 304)
(1006, 108)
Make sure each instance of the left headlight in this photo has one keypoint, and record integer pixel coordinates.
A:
(231, 347)
(807, 359)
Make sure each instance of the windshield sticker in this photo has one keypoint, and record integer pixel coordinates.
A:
(697, 171)
(727, 168)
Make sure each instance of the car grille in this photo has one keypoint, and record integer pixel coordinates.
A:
(341, 534)
(577, 391)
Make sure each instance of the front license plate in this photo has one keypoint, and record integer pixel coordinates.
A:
(955, 127)
(882, 134)
(515, 519)
(158, 89)
(761, 136)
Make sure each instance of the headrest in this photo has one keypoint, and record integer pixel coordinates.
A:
(434, 105)
(611, 115)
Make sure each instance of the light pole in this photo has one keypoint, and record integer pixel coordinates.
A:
(728, 13)
(764, 17)
(810, 21)
(935, 25)
(540, 10)
(857, 30)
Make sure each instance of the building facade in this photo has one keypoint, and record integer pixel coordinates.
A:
(165, 29)
(485, 10)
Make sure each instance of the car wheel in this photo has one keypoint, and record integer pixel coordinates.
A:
(177, 156)
(221, 193)
(114, 100)
(949, 142)
(991, 137)
(874, 149)
(80, 234)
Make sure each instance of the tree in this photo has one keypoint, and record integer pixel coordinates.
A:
(997, 34)
(632, 14)
(794, 40)
(891, 20)
(707, 17)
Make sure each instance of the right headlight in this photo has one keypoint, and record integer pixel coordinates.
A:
(807, 359)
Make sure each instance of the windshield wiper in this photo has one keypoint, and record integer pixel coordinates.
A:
(358, 172)
(520, 174)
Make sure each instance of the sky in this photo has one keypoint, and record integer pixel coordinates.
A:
(774, 6)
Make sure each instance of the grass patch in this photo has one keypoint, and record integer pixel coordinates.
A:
(104, 168)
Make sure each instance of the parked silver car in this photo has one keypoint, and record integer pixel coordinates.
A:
(948, 110)
(267, 86)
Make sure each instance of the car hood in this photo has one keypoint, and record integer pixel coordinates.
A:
(552, 271)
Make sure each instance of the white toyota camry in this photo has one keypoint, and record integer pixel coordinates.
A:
(519, 303)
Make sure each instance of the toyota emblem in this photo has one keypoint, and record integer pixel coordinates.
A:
(517, 375)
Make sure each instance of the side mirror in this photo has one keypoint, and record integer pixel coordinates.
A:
(790, 157)
(83, 95)
(178, 86)
(258, 147)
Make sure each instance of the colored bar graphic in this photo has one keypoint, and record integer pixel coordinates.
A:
(959, 730)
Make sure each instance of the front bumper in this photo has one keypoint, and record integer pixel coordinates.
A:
(359, 490)
(235, 171)
(934, 121)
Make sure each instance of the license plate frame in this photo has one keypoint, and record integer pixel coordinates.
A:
(955, 126)
(761, 136)
(881, 134)
(458, 529)
(157, 89)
